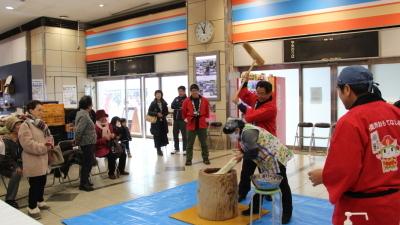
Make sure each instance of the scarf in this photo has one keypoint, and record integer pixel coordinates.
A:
(105, 129)
(40, 124)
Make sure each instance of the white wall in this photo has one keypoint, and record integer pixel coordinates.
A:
(171, 62)
(62, 54)
(389, 42)
(13, 49)
(270, 51)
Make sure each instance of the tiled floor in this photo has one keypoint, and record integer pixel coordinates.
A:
(148, 174)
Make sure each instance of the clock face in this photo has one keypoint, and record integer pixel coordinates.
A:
(204, 31)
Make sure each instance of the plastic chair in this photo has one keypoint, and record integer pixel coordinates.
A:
(272, 193)
(300, 138)
(215, 130)
(313, 137)
(61, 180)
(65, 145)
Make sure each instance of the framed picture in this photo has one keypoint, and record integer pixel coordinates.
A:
(207, 75)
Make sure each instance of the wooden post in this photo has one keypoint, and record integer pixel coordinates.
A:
(217, 195)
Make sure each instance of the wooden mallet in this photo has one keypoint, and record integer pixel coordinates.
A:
(257, 60)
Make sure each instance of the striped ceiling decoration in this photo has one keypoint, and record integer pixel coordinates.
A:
(165, 31)
(268, 19)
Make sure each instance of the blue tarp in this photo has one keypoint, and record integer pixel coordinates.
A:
(156, 209)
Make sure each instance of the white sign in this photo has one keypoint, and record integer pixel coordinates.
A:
(37, 89)
(70, 97)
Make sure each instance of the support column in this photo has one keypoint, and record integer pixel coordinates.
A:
(218, 13)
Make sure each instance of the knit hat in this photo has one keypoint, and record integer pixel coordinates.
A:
(100, 114)
(194, 86)
(11, 122)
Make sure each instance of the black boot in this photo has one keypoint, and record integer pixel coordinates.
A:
(159, 152)
(256, 206)
(13, 203)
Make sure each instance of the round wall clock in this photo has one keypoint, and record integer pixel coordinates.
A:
(204, 31)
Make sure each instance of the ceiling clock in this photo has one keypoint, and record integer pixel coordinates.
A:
(204, 31)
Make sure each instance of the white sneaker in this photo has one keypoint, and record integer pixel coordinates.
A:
(43, 205)
(34, 213)
(175, 152)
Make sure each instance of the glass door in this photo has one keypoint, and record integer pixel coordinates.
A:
(111, 97)
(134, 107)
(151, 84)
(387, 76)
(317, 101)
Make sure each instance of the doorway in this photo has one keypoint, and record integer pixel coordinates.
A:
(130, 97)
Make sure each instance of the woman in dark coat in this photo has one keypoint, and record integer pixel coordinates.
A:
(159, 130)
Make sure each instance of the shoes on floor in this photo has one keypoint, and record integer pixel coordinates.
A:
(129, 155)
(206, 161)
(188, 163)
(86, 188)
(34, 213)
(112, 176)
(124, 173)
(13, 203)
(43, 205)
(175, 152)
(160, 153)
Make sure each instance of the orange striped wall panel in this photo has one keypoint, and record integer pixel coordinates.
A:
(268, 19)
(165, 31)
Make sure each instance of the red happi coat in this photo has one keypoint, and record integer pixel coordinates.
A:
(364, 157)
(188, 111)
(264, 116)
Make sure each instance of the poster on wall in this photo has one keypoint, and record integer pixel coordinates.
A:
(38, 89)
(206, 71)
(54, 114)
(70, 97)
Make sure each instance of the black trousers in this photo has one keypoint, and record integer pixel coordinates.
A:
(112, 161)
(248, 169)
(87, 162)
(125, 144)
(36, 190)
(179, 126)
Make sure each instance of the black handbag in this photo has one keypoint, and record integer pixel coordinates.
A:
(116, 148)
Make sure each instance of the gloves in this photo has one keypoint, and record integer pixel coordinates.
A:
(242, 108)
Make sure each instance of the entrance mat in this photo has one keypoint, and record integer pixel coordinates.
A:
(156, 209)
(190, 216)
(62, 197)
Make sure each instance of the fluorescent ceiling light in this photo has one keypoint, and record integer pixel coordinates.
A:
(9, 8)
(101, 5)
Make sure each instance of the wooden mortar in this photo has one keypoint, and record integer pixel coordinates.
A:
(217, 195)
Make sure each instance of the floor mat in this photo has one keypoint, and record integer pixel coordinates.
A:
(190, 216)
(157, 208)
